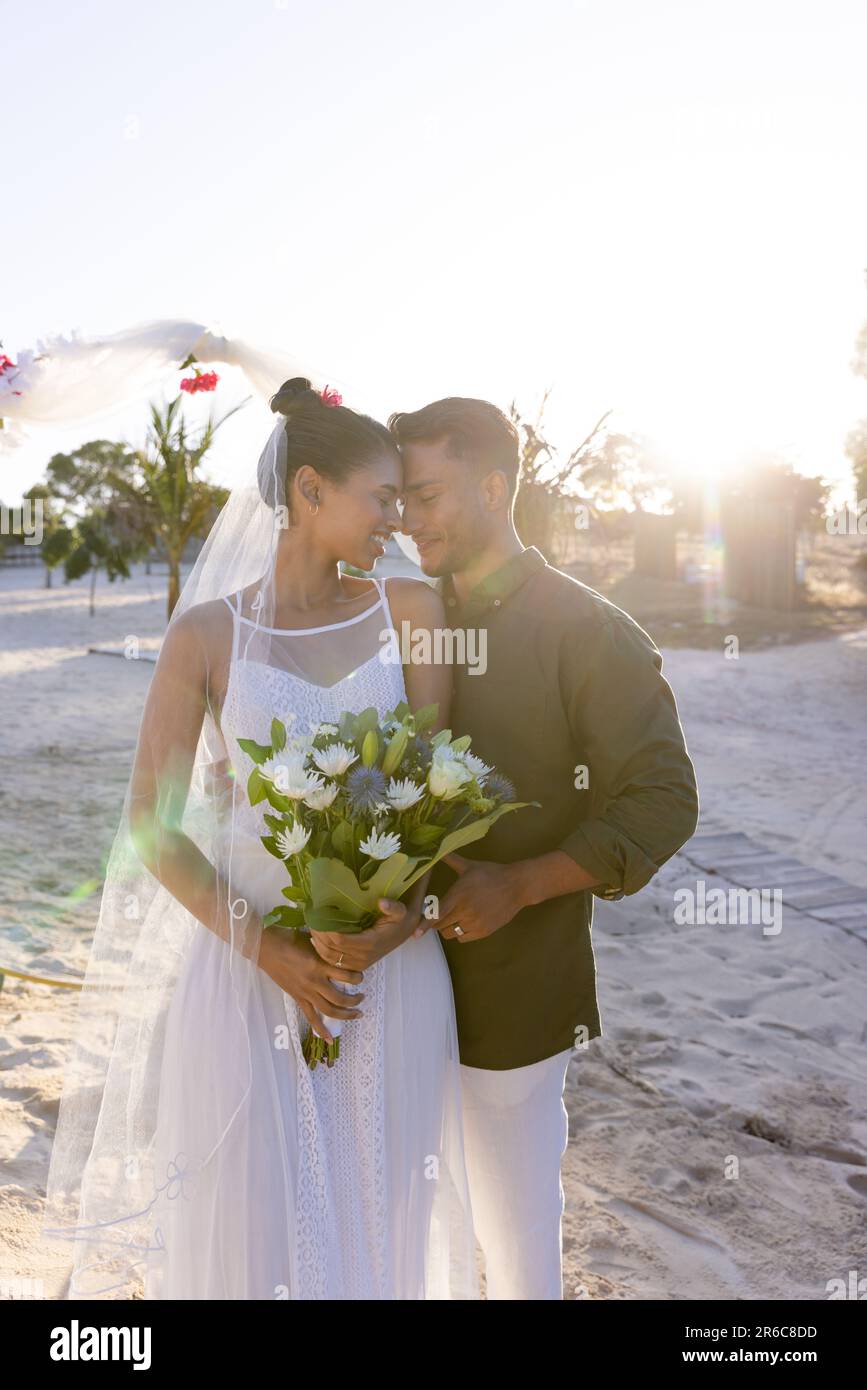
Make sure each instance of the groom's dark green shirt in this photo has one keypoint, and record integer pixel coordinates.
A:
(571, 681)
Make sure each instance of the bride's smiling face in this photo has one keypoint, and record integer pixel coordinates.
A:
(356, 516)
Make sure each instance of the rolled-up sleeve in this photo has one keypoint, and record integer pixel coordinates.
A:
(626, 729)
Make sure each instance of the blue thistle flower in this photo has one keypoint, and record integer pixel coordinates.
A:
(499, 787)
(418, 754)
(365, 789)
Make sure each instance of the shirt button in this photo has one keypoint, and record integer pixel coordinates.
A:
(451, 602)
(496, 603)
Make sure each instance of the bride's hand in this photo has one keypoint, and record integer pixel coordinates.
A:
(292, 963)
(395, 924)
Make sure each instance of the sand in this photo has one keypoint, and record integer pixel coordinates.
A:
(718, 1128)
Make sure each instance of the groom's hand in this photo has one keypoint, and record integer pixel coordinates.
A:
(485, 897)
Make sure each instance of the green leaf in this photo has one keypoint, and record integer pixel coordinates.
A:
(460, 745)
(278, 800)
(444, 736)
(278, 735)
(332, 919)
(342, 839)
(271, 846)
(394, 751)
(257, 789)
(423, 836)
(284, 916)
(476, 830)
(392, 878)
(425, 716)
(333, 884)
(317, 842)
(346, 728)
(367, 719)
(257, 751)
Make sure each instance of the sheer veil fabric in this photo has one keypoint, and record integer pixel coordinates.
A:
(195, 1155)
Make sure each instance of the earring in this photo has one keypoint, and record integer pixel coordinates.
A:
(314, 510)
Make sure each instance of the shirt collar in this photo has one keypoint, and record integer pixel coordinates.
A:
(496, 587)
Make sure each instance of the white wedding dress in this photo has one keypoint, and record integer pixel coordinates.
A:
(337, 1183)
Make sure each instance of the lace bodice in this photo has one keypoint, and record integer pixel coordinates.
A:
(257, 691)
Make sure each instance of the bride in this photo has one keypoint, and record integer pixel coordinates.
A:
(197, 1154)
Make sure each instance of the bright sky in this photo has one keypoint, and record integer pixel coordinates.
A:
(656, 208)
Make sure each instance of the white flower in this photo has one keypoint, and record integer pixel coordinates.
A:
(290, 776)
(322, 797)
(381, 846)
(405, 793)
(292, 841)
(447, 773)
(335, 759)
(325, 729)
(479, 769)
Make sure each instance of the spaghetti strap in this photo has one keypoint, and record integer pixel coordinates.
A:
(380, 585)
(235, 610)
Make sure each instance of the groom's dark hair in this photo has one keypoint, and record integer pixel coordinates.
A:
(473, 430)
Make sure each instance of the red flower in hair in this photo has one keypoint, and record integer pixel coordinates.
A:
(331, 397)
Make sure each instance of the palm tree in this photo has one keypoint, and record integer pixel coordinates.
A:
(171, 503)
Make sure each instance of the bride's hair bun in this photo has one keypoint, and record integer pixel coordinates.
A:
(298, 391)
(314, 433)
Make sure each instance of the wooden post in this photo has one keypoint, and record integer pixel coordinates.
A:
(759, 547)
(655, 545)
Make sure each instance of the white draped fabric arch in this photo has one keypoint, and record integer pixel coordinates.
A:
(66, 379)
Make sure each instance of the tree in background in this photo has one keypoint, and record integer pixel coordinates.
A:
(625, 466)
(101, 539)
(544, 481)
(56, 534)
(768, 479)
(606, 473)
(86, 526)
(169, 503)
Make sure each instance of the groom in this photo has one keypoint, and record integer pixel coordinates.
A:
(572, 706)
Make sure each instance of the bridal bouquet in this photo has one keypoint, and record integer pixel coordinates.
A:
(360, 810)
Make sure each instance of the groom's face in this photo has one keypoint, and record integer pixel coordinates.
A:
(443, 511)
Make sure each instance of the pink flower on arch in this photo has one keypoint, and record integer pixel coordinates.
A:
(330, 396)
(201, 381)
(5, 364)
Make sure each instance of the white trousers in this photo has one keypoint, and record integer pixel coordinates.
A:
(516, 1129)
